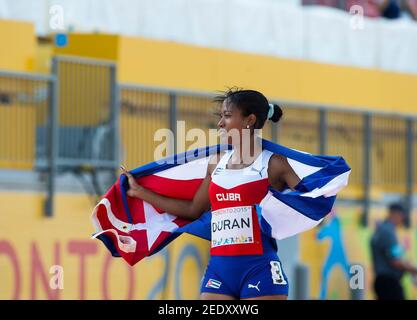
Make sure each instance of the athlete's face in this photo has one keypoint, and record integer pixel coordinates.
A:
(398, 217)
(230, 117)
(232, 121)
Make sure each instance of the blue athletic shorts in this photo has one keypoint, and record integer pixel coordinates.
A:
(246, 276)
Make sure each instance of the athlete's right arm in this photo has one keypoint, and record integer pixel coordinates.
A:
(187, 209)
(404, 266)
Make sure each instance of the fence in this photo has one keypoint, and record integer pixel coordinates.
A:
(79, 118)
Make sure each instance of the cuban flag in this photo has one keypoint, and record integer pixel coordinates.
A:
(133, 229)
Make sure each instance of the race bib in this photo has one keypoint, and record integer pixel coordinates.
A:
(231, 226)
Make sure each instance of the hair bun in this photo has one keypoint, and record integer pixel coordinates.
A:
(277, 113)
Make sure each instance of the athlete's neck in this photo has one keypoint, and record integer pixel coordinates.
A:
(245, 152)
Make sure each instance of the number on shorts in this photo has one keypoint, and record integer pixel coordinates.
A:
(276, 271)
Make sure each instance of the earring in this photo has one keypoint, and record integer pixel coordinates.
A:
(247, 126)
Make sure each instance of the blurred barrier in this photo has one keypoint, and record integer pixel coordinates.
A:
(66, 122)
(345, 133)
(81, 111)
(84, 134)
(142, 113)
(24, 104)
(87, 113)
(300, 128)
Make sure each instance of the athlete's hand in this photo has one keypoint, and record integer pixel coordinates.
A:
(134, 187)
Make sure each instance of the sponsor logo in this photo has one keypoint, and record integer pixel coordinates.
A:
(258, 171)
(231, 240)
(252, 286)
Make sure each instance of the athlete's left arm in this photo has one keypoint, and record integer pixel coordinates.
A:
(281, 174)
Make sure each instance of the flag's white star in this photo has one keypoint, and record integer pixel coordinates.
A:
(155, 223)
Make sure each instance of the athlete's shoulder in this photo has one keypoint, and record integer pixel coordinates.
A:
(276, 161)
(277, 166)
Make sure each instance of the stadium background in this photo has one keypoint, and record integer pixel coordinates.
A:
(98, 98)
